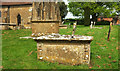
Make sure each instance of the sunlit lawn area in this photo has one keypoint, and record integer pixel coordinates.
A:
(22, 53)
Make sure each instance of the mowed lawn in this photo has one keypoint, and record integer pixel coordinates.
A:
(22, 53)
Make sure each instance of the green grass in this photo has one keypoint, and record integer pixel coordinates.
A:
(16, 53)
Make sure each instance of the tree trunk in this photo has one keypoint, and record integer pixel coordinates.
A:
(87, 16)
(93, 17)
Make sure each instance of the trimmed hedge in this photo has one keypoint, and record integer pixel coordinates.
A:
(81, 22)
(103, 23)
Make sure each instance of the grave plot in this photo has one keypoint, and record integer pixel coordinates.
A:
(53, 47)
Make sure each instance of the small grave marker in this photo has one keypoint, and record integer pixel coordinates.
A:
(70, 25)
(91, 25)
(74, 28)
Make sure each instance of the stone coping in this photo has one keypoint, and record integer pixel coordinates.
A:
(10, 24)
(61, 37)
(45, 20)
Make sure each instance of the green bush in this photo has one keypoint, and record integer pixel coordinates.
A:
(79, 21)
(103, 23)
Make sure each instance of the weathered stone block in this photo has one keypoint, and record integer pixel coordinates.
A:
(4, 27)
(64, 50)
(45, 27)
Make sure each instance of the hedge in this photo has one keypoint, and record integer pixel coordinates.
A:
(81, 22)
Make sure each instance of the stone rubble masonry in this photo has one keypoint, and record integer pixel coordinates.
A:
(46, 11)
(23, 10)
(49, 12)
(66, 52)
(46, 17)
(3, 10)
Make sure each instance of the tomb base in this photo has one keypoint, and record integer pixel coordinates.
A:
(64, 49)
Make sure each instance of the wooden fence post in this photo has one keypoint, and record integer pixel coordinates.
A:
(109, 31)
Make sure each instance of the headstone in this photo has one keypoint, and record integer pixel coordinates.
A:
(63, 22)
(74, 28)
(94, 23)
(91, 25)
(70, 25)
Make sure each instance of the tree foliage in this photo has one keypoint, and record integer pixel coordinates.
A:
(63, 9)
(107, 9)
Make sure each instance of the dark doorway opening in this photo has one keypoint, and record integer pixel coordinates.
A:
(0, 13)
(18, 19)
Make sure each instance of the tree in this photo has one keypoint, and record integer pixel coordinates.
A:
(63, 9)
(94, 8)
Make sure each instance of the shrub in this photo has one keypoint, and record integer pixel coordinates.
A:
(103, 23)
(79, 21)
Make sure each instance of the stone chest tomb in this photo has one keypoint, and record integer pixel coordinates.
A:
(64, 49)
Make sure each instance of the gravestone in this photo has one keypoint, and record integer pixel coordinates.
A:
(74, 28)
(91, 26)
(69, 25)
